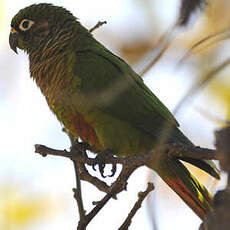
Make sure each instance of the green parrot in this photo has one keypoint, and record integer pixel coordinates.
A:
(98, 97)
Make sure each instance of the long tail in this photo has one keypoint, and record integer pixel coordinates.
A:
(192, 192)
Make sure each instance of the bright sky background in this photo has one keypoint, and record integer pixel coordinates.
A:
(26, 120)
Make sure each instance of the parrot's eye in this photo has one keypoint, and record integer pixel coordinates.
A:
(25, 24)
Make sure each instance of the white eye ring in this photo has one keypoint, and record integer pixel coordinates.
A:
(25, 24)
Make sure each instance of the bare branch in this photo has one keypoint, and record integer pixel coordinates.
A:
(141, 197)
(176, 150)
(78, 193)
(129, 165)
(98, 25)
(118, 186)
(101, 185)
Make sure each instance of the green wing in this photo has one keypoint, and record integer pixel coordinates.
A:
(119, 91)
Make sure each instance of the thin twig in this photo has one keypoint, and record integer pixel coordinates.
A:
(162, 46)
(98, 25)
(151, 200)
(78, 193)
(141, 197)
(101, 185)
(78, 190)
(206, 43)
(84, 222)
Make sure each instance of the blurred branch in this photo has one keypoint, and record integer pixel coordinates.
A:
(161, 47)
(187, 8)
(223, 148)
(208, 77)
(206, 43)
(211, 116)
(219, 219)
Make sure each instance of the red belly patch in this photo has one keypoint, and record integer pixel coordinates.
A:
(84, 129)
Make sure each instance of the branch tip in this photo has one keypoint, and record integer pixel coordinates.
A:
(98, 25)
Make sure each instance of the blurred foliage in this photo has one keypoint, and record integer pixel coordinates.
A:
(3, 21)
(19, 210)
(221, 91)
(213, 19)
(2, 14)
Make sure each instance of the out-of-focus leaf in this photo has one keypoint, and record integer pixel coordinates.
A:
(2, 14)
(203, 81)
(18, 209)
(208, 24)
(133, 52)
(3, 22)
(221, 91)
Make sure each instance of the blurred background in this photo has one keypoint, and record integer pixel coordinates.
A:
(36, 192)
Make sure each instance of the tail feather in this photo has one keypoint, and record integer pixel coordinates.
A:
(199, 205)
(192, 192)
(206, 165)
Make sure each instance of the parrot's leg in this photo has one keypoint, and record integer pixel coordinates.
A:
(80, 146)
(101, 159)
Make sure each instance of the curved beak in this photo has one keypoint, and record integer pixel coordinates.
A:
(13, 40)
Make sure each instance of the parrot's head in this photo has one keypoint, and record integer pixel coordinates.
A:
(35, 25)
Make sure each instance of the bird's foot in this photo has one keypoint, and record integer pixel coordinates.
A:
(101, 159)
